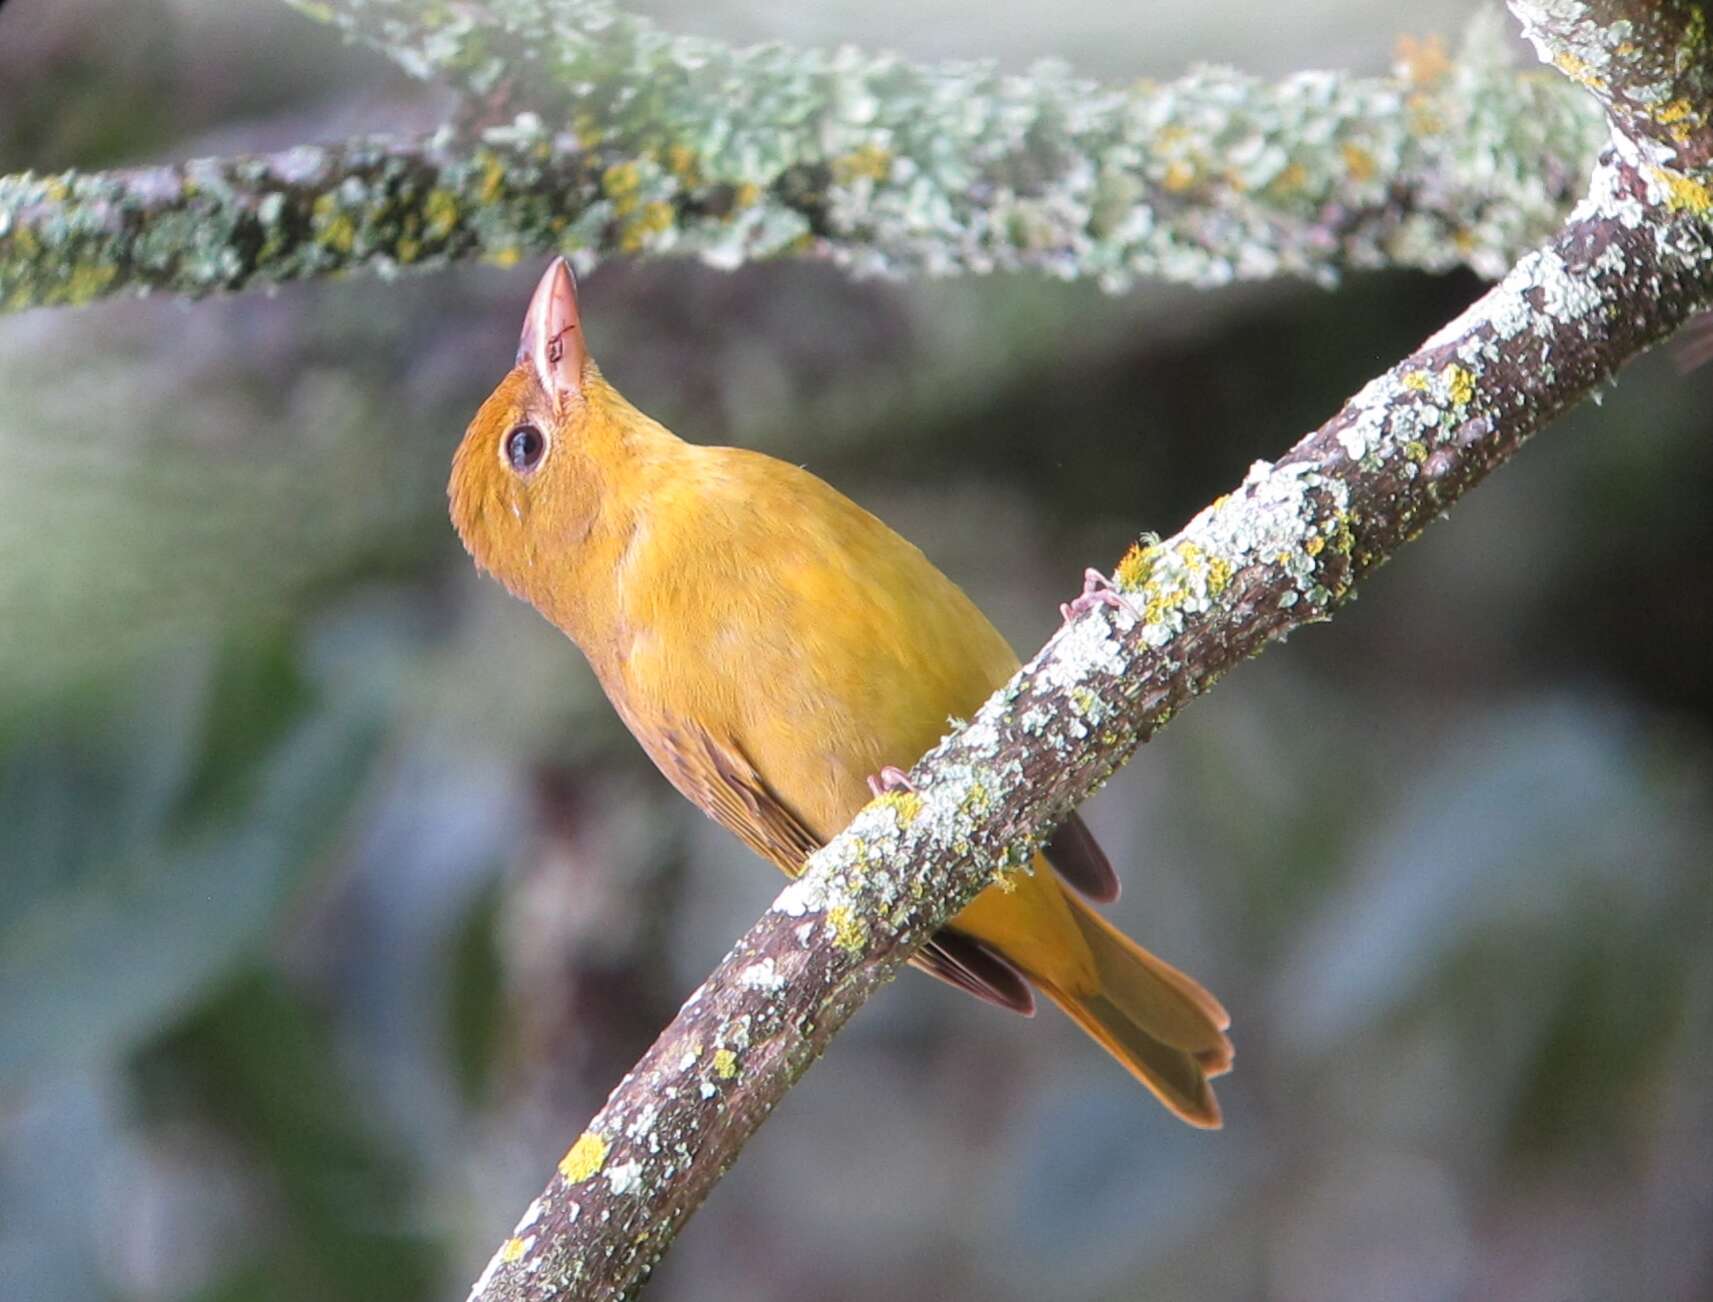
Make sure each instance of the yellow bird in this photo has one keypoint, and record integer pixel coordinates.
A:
(773, 646)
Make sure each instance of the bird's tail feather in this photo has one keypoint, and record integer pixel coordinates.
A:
(1157, 1021)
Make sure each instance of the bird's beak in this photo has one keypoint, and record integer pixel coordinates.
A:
(552, 339)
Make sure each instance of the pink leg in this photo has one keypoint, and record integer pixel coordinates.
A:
(889, 779)
(1098, 590)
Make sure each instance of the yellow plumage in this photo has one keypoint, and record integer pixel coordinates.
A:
(771, 645)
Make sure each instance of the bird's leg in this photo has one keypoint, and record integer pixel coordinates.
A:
(888, 779)
(1098, 590)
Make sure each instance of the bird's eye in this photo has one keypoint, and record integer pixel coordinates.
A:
(525, 446)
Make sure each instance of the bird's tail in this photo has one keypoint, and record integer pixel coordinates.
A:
(1167, 1031)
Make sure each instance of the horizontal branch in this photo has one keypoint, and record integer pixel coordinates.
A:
(1282, 549)
(957, 166)
(683, 145)
(238, 223)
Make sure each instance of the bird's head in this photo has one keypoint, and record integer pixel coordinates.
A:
(527, 479)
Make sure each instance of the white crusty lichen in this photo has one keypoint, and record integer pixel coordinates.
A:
(762, 975)
(635, 140)
(624, 1177)
(880, 872)
(900, 166)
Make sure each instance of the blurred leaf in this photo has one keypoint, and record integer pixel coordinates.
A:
(263, 1069)
(475, 995)
(150, 845)
(1613, 1021)
(253, 700)
(1522, 824)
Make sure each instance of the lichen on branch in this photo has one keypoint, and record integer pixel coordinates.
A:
(238, 223)
(621, 138)
(958, 166)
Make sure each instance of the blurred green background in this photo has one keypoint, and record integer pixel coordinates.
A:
(333, 898)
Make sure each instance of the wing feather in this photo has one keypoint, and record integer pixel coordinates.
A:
(1077, 857)
(719, 778)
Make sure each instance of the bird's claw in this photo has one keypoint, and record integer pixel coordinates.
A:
(1098, 590)
(888, 779)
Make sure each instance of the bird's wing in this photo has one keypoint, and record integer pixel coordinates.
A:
(1077, 857)
(718, 777)
(963, 961)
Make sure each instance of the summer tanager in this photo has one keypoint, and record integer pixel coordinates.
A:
(772, 645)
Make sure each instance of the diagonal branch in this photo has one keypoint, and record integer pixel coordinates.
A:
(629, 140)
(1283, 549)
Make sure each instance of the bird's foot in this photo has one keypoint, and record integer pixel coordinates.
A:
(1098, 590)
(889, 779)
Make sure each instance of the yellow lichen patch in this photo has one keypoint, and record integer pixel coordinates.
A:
(584, 1158)
(1180, 176)
(1218, 575)
(872, 161)
(1344, 536)
(511, 1250)
(849, 931)
(725, 1064)
(1358, 162)
(620, 183)
(977, 800)
(1314, 546)
(587, 128)
(1425, 119)
(1162, 601)
(682, 162)
(334, 229)
(87, 282)
(1417, 382)
(1459, 384)
(1577, 69)
(440, 209)
(509, 256)
(1291, 178)
(1416, 451)
(1005, 879)
(1137, 564)
(493, 179)
(746, 195)
(906, 806)
(1683, 193)
(1422, 60)
(1679, 117)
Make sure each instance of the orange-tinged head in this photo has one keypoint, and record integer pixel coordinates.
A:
(526, 481)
